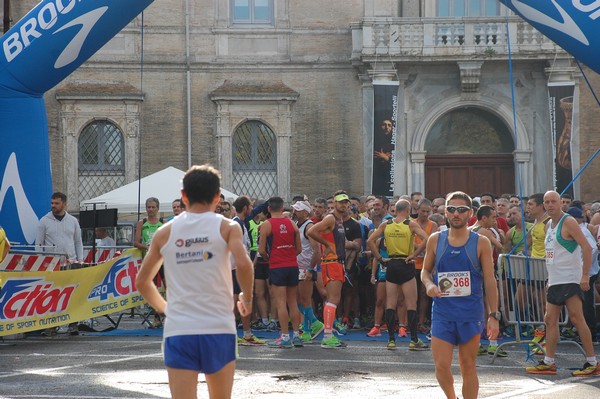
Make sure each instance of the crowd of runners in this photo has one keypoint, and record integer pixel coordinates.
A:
(379, 246)
(409, 267)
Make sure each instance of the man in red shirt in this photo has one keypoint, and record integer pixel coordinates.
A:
(282, 238)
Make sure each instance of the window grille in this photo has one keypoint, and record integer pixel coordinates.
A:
(100, 159)
(254, 160)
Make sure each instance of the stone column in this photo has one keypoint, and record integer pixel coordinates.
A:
(416, 182)
(368, 122)
(284, 138)
(524, 170)
(224, 145)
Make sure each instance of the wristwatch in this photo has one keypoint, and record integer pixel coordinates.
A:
(496, 315)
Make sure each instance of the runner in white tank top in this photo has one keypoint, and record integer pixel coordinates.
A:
(566, 247)
(199, 266)
(200, 334)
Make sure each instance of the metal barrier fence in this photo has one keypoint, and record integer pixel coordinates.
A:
(522, 297)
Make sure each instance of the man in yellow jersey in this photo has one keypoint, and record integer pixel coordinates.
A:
(399, 236)
(535, 237)
(535, 241)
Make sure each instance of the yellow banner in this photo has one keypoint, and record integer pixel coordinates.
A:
(32, 301)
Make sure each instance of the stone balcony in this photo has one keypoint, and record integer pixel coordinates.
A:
(448, 39)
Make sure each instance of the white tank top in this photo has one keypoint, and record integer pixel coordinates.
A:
(198, 274)
(307, 252)
(564, 266)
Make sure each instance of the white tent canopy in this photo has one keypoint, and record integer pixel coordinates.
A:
(164, 185)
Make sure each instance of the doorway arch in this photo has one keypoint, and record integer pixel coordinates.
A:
(469, 149)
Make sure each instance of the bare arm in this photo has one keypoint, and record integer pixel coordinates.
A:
(297, 239)
(428, 264)
(137, 242)
(575, 233)
(484, 251)
(490, 236)
(232, 233)
(265, 230)
(418, 231)
(507, 243)
(150, 266)
(372, 241)
(323, 226)
(316, 256)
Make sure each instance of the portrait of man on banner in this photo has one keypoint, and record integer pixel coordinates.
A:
(384, 138)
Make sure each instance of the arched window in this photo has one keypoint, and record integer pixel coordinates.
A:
(469, 131)
(101, 159)
(254, 160)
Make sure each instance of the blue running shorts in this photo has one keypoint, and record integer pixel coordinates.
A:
(207, 353)
(456, 332)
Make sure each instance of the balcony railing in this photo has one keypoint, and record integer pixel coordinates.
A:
(445, 38)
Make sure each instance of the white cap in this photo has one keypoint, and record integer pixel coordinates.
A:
(302, 206)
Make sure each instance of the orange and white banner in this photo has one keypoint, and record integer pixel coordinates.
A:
(32, 301)
(34, 262)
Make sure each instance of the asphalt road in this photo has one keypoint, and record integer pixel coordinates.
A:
(112, 366)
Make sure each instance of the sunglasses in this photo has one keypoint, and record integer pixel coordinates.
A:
(460, 209)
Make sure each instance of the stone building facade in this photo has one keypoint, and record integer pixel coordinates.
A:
(279, 96)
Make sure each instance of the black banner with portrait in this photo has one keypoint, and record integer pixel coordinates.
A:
(561, 116)
(384, 137)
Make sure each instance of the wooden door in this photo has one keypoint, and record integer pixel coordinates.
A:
(473, 174)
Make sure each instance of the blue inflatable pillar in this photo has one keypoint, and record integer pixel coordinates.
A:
(41, 50)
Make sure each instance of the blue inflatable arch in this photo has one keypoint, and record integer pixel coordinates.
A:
(41, 50)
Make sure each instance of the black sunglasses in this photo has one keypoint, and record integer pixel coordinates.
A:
(460, 209)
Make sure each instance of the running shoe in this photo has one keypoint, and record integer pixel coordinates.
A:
(279, 343)
(568, 333)
(356, 324)
(155, 324)
(340, 328)
(74, 330)
(481, 350)
(383, 327)
(494, 349)
(423, 329)
(316, 328)
(586, 370)
(391, 346)
(306, 337)
(375, 332)
(537, 351)
(402, 332)
(50, 332)
(417, 346)
(260, 326)
(428, 336)
(332, 342)
(538, 337)
(297, 342)
(273, 326)
(542, 368)
(251, 341)
(509, 331)
(528, 332)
